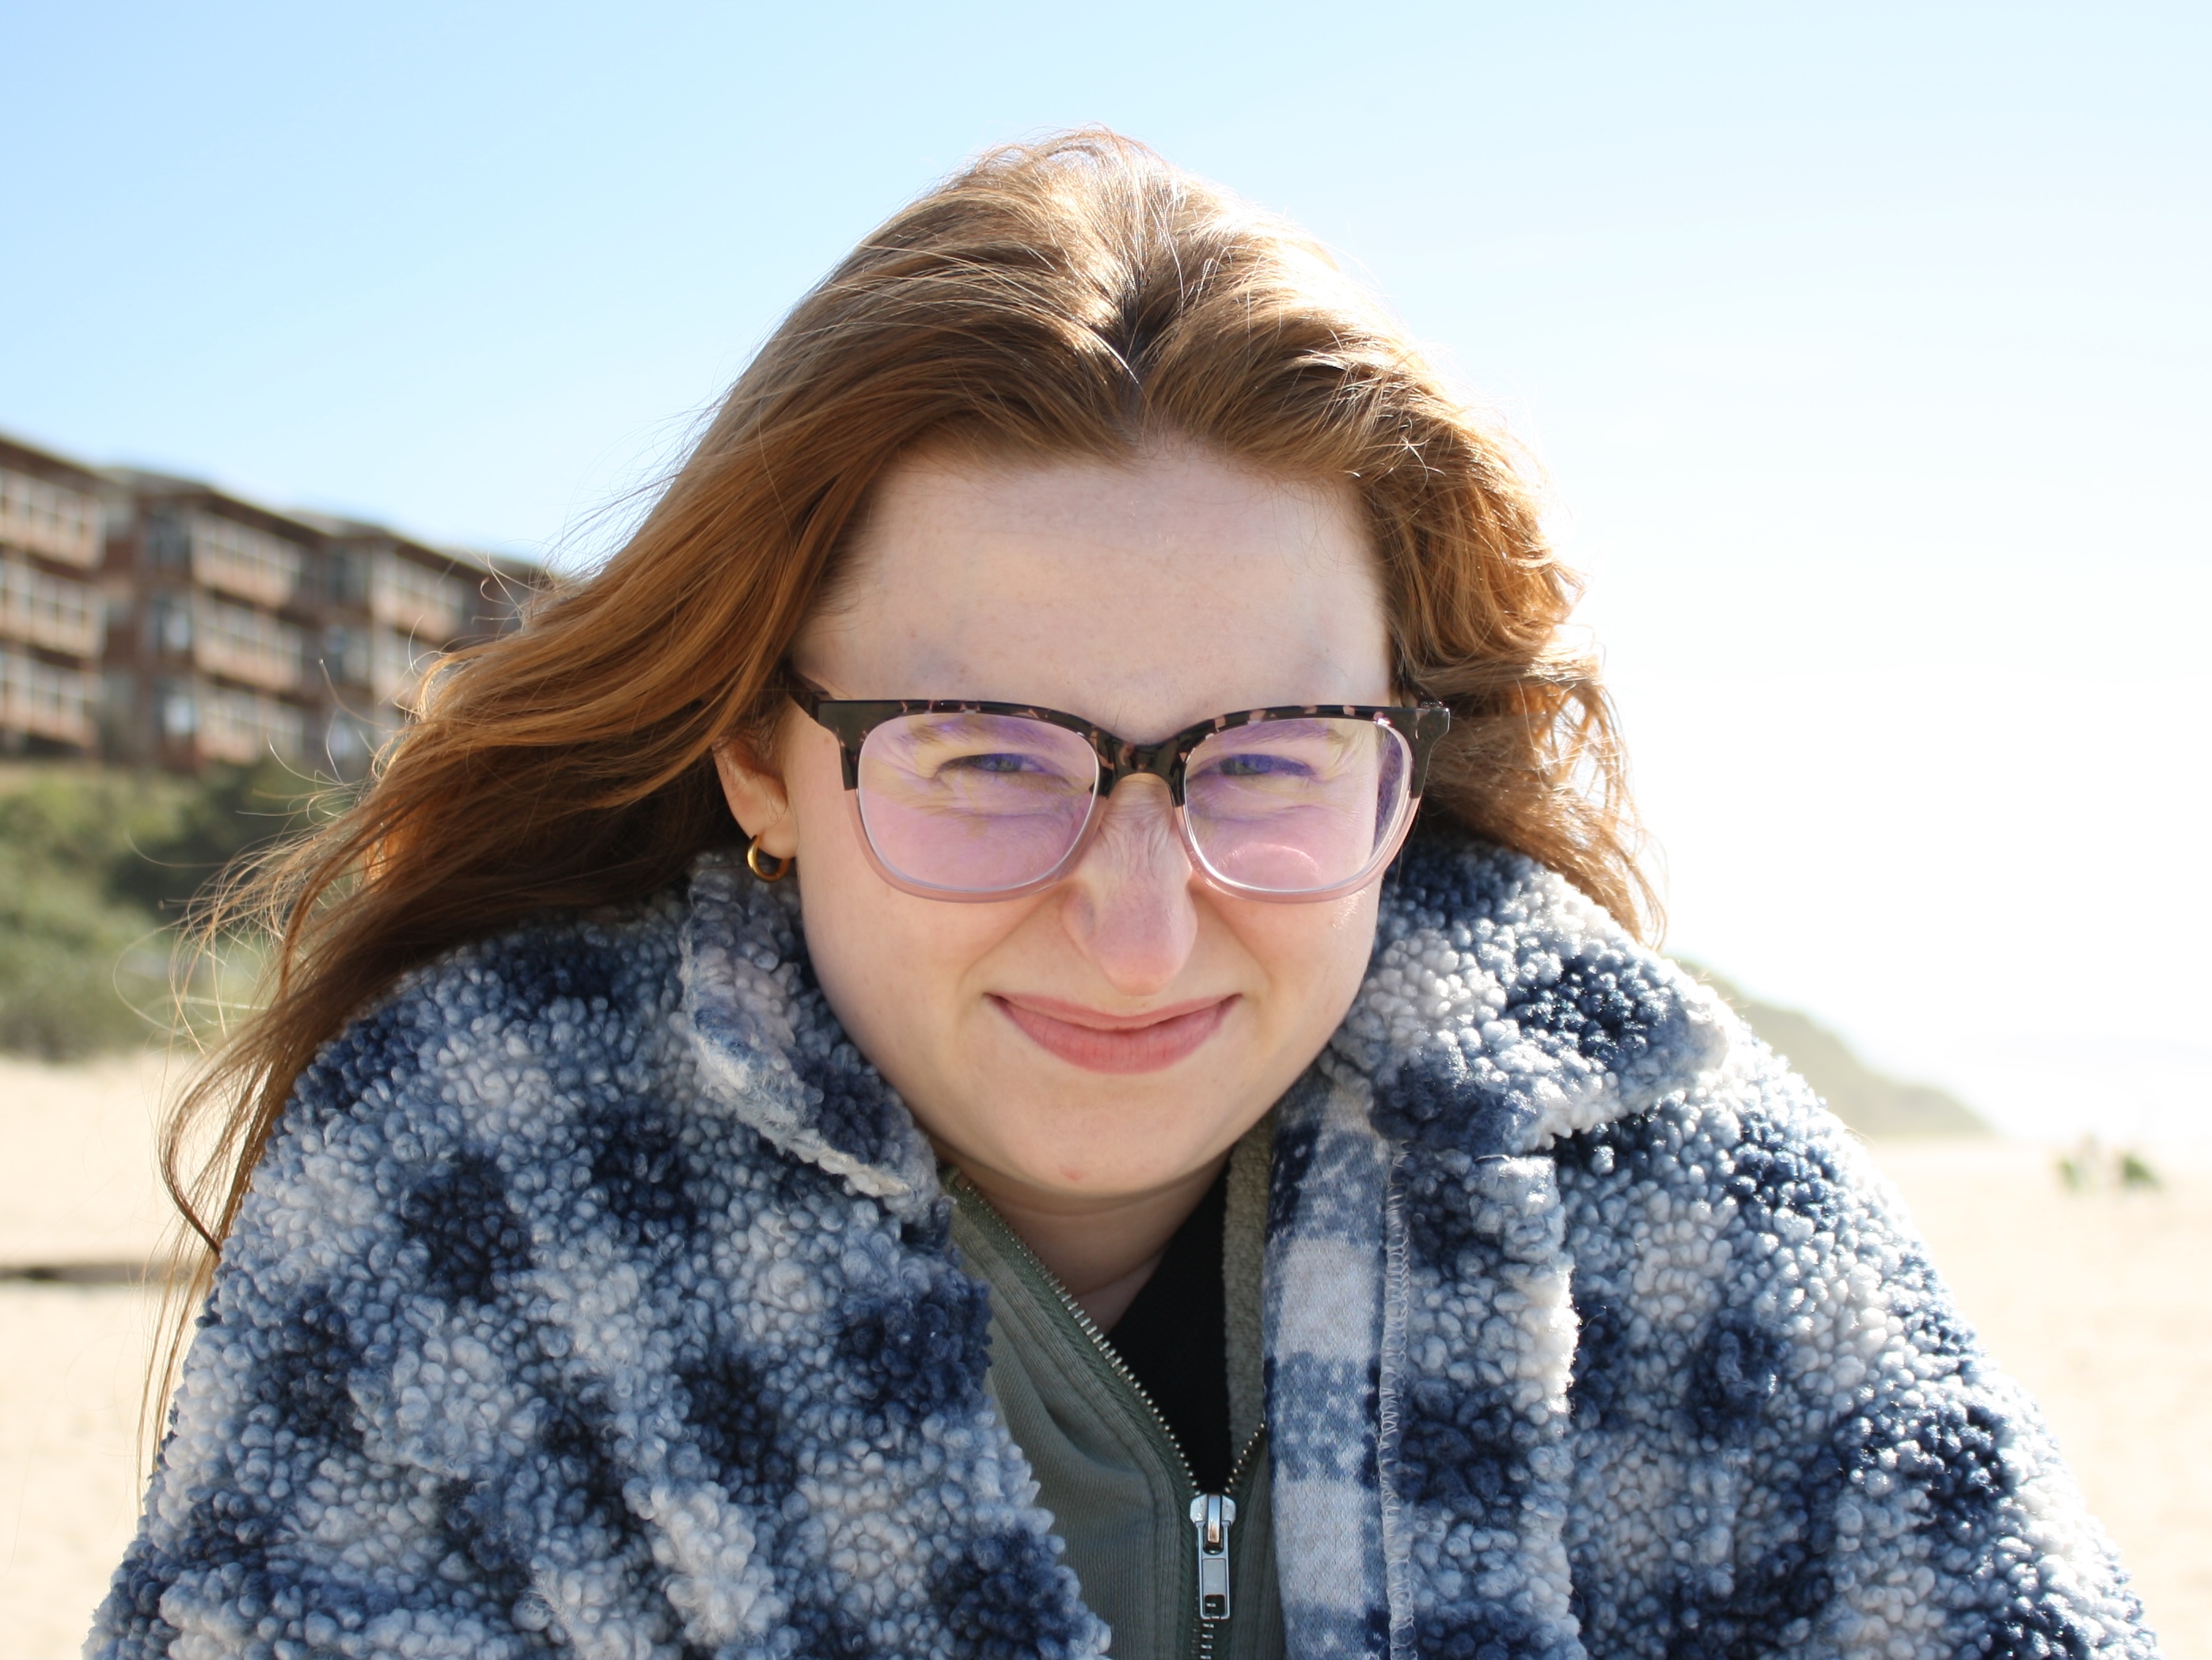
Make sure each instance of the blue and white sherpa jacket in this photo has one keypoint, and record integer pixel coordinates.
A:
(595, 1298)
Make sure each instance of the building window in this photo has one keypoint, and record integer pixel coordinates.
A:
(168, 541)
(349, 578)
(351, 744)
(180, 711)
(345, 655)
(169, 623)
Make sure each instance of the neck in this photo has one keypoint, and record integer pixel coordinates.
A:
(1102, 1249)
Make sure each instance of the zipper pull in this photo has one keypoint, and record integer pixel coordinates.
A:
(1212, 1514)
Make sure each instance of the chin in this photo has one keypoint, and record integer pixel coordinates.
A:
(1106, 1150)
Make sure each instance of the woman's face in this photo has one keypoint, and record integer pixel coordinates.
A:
(1111, 1034)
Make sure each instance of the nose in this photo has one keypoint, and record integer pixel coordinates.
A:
(1128, 904)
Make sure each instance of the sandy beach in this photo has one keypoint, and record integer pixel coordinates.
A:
(2095, 1300)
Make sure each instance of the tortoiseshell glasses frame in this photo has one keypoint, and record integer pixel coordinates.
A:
(1413, 731)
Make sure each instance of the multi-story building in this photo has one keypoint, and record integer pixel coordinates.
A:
(52, 619)
(161, 621)
(211, 603)
(237, 632)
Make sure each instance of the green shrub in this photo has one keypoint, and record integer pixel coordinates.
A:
(96, 868)
(79, 972)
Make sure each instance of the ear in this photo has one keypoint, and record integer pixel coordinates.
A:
(757, 800)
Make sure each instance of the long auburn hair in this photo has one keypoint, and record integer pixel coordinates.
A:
(1077, 297)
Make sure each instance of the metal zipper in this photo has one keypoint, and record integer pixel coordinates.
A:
(1212, 1514)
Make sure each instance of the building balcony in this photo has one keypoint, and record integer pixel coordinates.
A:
(227, 724)
(240, 644)
(242, 727)
(49, 521)
(39, 700)
(52, 611)
(427, 605)
(246, 563)
(271, 671)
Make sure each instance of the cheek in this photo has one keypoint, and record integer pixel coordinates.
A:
(1313, 957)
(853, 935)
(892, 966)
(878, 976)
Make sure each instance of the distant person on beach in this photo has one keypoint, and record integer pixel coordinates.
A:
(1023, 1026)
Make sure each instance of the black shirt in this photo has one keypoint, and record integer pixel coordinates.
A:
(1174, 1337)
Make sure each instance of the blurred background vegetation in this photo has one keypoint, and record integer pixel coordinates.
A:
(98, 866)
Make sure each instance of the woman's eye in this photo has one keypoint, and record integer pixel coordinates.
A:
(1260, 766)
(989, 763)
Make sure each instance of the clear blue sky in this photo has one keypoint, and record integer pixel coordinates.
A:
(1866, 348)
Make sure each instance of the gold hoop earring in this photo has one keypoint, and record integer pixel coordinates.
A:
(776, 869)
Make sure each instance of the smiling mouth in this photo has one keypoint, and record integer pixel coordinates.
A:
(1117, 1043)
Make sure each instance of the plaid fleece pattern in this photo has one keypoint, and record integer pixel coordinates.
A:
(597, 1298)
(1593, 1333)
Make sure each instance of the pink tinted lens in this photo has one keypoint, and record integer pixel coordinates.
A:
(1296, 806)
(975, 803)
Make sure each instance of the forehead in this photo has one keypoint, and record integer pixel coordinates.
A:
(1143, 595)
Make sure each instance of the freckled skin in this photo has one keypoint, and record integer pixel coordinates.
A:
(1145, 597)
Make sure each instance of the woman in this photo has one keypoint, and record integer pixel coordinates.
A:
(885, 1078)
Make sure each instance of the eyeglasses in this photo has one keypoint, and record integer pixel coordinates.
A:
(958, 799)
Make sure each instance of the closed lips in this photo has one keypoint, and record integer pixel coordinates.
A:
(1098, 1042)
